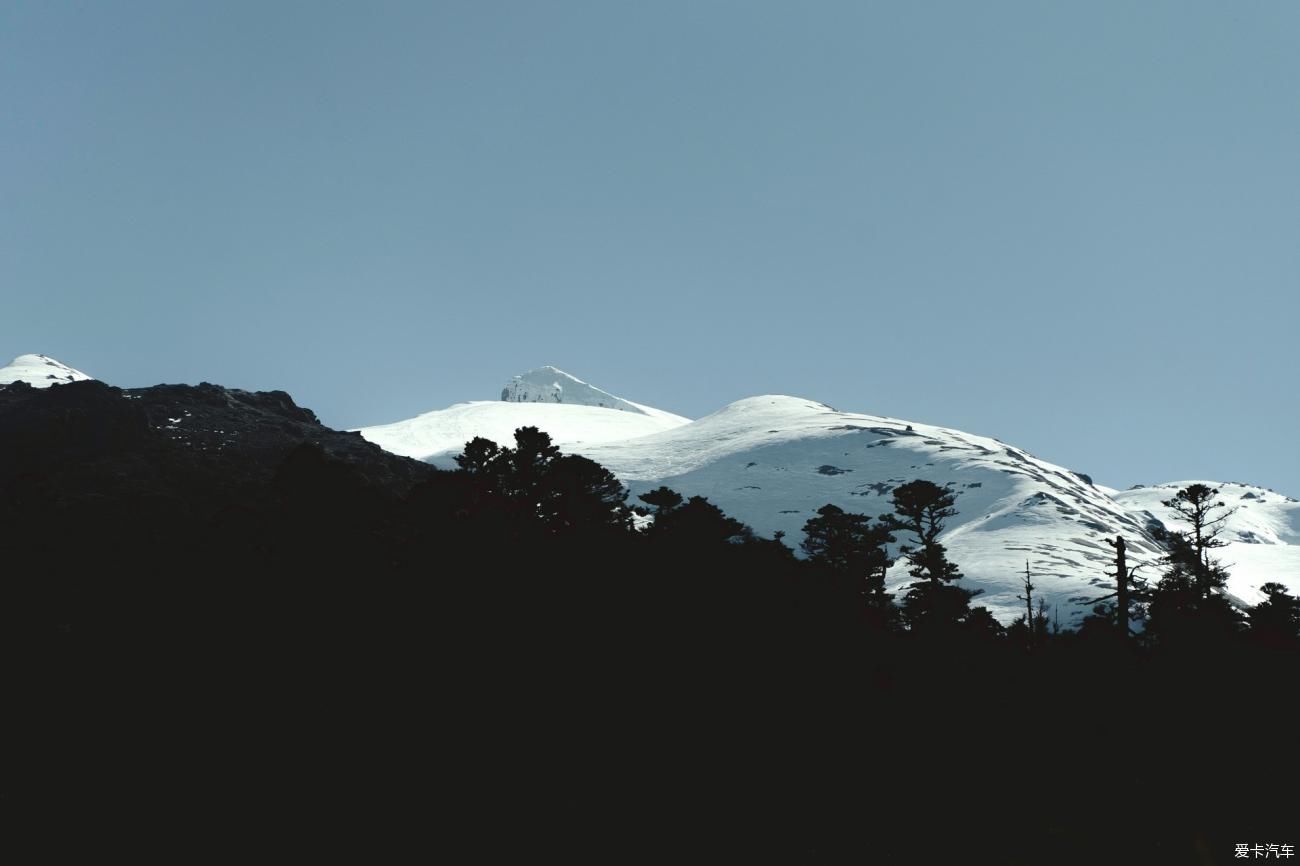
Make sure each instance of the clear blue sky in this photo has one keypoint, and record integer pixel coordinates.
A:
(1070, 226)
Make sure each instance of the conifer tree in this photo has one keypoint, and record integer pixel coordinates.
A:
(663, 499)
(1196, 505)
(1188, 606)
(847, 542)
(920, 508)
(540, 485)
(849, 546)
(1275, 621)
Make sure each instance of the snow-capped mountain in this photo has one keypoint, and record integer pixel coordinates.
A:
(575, 414)
(39, 371)
(772, 461)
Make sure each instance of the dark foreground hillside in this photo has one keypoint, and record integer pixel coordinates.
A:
(224, 622)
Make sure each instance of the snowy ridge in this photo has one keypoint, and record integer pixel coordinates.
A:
(437, 437)
(39, 371)
(772, 461)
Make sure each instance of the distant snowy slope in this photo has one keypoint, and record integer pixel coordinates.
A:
(437, 437)
(772, 461)
(575, 414)
(552, 385)
(1263, 534)
(39, 371)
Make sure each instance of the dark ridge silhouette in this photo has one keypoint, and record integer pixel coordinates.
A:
(225, 619)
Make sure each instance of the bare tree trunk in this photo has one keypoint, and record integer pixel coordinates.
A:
(1029, 606)
(1121, 580)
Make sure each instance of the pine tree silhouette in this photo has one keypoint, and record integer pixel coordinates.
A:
(931, 603)
(853, 550)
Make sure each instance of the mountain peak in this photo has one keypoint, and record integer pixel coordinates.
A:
(553, 385)
(39, 371)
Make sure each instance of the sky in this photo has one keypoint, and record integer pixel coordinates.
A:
(1072, 226)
